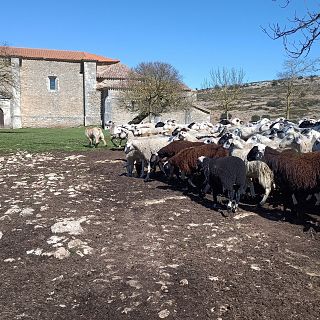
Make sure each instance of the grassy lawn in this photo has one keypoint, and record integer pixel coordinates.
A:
(46, 139)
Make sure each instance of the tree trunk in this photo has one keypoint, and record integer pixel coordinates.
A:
(141, 116)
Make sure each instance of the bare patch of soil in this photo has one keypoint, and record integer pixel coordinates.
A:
(142, 250)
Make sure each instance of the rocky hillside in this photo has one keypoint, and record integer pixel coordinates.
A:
(268, 98)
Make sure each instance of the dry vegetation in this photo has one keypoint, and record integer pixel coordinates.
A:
(268, 98)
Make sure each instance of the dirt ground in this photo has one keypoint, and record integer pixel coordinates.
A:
(143, 250)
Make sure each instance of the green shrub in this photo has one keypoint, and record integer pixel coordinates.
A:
(273, 103)
(224, 116)
(255, 118)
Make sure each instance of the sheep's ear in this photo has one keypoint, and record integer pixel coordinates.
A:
(298, 140)
(227, 144)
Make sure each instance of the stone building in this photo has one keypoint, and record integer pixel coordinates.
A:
(68, 88)
(111, 81)
(52, 88)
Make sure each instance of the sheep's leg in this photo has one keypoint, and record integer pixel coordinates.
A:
(191, 183)
(214, 198)
(142, 169)
(295, 204)
(183, 175)
(294, 199)
(112, 140)
(160, 164)
(252, 192)
(230, 199)
(317, 195)
(129, 167)
(148, 173)
(308, 198)
(266, 195)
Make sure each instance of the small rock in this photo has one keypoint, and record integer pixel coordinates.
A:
(26, 212)
(37, 251)
(134, 284)
(163, 313)
(71, 227)
(61, 253)
(1, 234)
(9, 260)
(184, 282)
(76, 243)
(255, 267)
(126, 310)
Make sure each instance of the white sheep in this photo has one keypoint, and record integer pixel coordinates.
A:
(143, 148)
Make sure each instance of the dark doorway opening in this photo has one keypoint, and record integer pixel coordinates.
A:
(1, 118)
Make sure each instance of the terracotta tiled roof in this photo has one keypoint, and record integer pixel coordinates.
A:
(114, 84)
(113, 71)
(46, 54)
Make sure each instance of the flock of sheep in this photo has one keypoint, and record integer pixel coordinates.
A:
(229, 158)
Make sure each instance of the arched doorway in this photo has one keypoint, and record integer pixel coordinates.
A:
(1, 118)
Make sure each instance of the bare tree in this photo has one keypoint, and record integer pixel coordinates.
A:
(7, 80)
(303, 29)
(154, 88)
(226, 87)
(292, 70)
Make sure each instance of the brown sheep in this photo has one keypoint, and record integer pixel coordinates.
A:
(295, 174)
(186, 160)
(173, 148)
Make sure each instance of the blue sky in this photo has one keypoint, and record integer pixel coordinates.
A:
(193, 36)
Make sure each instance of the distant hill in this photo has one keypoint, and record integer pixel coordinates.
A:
(268, 98)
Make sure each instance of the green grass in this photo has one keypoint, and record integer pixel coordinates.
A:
(36, 140)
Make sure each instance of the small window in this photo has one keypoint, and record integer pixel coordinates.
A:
(53, 83)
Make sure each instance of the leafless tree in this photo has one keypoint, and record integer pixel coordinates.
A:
(226, 87)
(7, 80)
(294, 69)
(154, 88)
(303, 29)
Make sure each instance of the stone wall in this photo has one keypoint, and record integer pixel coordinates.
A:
(121, 116)
(42, 107)
(92, 97)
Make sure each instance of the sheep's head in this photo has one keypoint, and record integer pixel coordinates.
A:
(199, 164)
(129, 147)
(256, 153)
(182, 135)
(154, 160)
(316, 145)
(226, 137)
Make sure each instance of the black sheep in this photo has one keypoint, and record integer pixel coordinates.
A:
(227, 174)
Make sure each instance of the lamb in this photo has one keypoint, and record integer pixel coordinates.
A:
(145, 147)
(95, 135)
(224, 175)
(297, 175)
